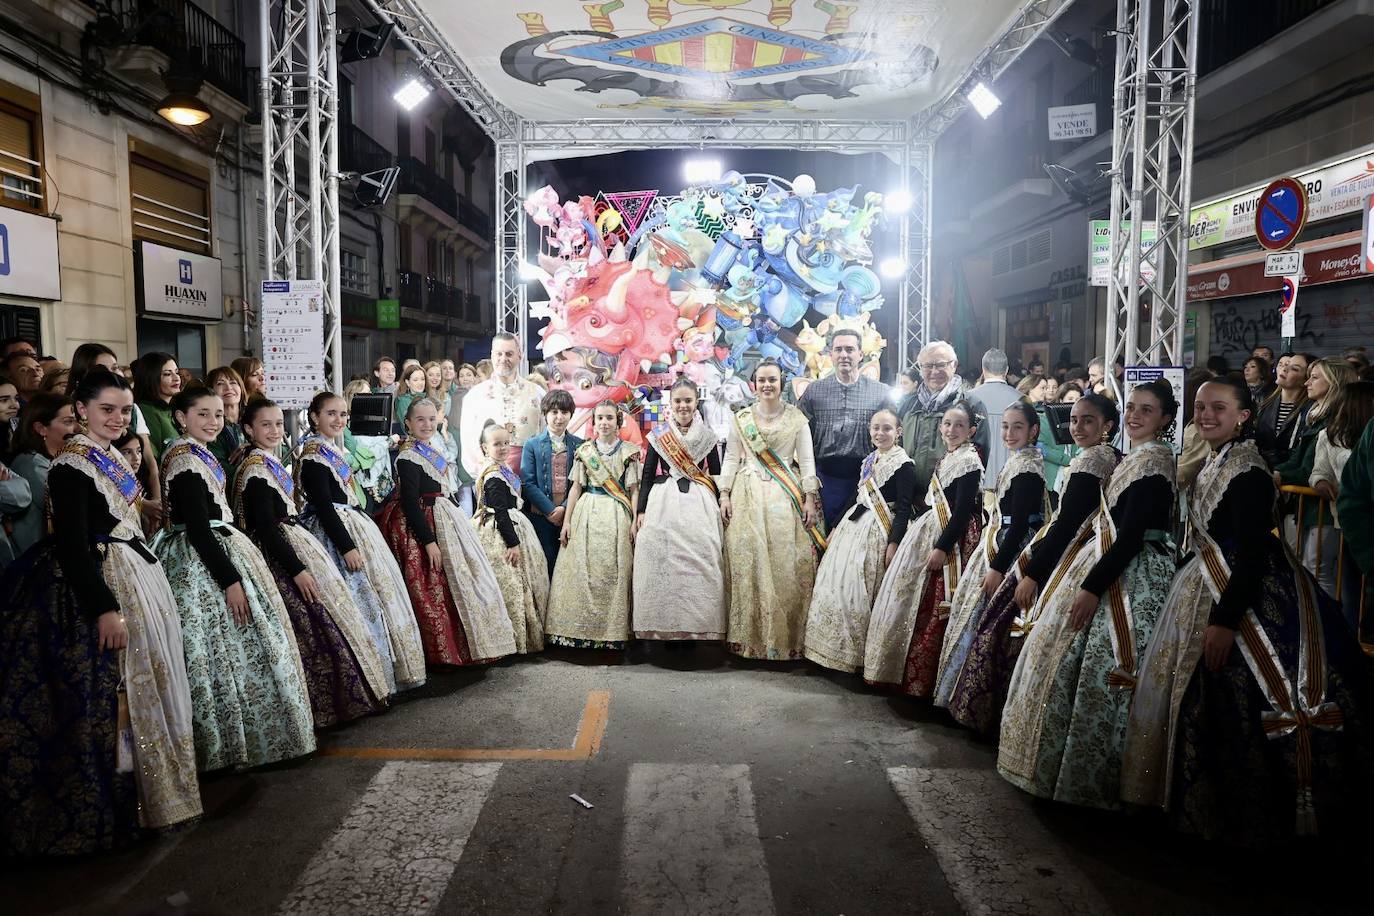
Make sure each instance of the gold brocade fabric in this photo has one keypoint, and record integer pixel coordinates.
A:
(771, 563)
(593, 579)
(525, 588)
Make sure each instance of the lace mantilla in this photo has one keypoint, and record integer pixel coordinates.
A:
(255, 466)
(1028, 460)
(1234, 459)
(699, 440)
(1152, 458)
(188, 456)
(323, 453)
(73, 455)
(408, 453)
(1097, 460)
(884, 466)
(963, 460)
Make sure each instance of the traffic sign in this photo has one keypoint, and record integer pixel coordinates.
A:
(1288, 311)
(1280, 213)
(1283, 263)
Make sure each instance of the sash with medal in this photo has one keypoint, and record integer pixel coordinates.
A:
(875, 494)
(671, 446)
(953, 563)
(599, 475)
(777, 469)
(429, 453)
(111, 468)
(337, 462)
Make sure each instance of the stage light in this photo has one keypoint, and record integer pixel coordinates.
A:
(898, 201)
(701, 171)
(892, 268)
(983, 100)
(412, 92)
(528, 271)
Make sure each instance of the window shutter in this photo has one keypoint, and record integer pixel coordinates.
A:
(18, 150)
(169, 208)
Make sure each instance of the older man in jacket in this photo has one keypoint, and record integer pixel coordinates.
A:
(921, 411)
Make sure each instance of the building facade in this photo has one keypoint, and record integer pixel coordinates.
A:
(1283, 89)
(119, 227)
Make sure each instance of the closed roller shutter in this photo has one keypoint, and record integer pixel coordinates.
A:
(169, 207)
(20, 184)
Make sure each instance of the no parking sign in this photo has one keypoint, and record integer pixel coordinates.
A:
(1280, 214)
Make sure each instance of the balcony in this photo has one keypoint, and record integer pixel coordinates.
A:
(472, 312)
(1230, 28)
(410, 289)
(474, 219)
(358, 310)
(358, 152)
(425, 199)
(175, 28)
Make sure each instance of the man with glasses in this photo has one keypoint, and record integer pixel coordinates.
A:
(920, 412)
(839, 408)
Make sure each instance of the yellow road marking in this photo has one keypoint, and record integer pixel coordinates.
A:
(590, 731)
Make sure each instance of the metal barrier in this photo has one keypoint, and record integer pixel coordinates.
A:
(1325, 511)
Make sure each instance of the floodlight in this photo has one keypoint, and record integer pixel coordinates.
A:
(412, 92)
(983, 100)
(892, 268)
(701, 171)
(898, 201)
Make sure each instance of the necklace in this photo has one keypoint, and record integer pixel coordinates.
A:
(769, 417)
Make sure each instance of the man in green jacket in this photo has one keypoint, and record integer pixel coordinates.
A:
(921, 411)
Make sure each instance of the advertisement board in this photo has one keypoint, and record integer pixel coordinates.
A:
(28, 255)
(1100, 250)
(1073, 122)
(177, 284)
(1332, 190)
(293, 340)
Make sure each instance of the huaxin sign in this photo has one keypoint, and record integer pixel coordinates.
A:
(178, 284)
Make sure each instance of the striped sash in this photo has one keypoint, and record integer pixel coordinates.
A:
(672, 447)
(600, 476)
(778, 470)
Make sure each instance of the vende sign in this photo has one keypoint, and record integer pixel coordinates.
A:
(1342, 262)
(1072, 122)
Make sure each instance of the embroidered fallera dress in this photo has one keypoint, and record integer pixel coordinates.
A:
(679, 577)
(62, 791)
(1021, 509)
(330, 510)
(247, 685)
(501, 525)
(907, 627)
(851, 571)
(345, 673)
(772, 558)
(1277, 742)
(1064, 722)
(589, 602)
(462, 616)
(981, 689)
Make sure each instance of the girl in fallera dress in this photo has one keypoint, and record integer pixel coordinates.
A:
(347, 657)
(1064, 723)
(589, 602)
(860, 549)
(89, 636)
(1021, 509)
(770, 501)
(1250, 716)
(510, 542)
(247, 684)
(907, 627)
(679, 580)
(981, 689)
(331, 512)
(457, 600)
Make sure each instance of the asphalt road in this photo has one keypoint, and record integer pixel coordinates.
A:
(716, 785)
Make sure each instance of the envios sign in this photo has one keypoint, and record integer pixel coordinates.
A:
(178, 284)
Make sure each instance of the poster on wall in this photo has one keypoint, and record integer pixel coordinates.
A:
(28, 255)
(293, 340)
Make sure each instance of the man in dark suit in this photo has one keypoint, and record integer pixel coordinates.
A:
(544, 468)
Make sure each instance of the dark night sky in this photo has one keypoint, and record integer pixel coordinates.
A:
(662, 170)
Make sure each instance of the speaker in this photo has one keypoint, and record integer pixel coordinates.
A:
(1057, 415)
(370, 414)
(374, 188)
(365, 43)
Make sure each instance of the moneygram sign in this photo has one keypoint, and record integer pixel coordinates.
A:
(1332, 190)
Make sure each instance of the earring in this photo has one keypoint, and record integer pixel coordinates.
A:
(1106, 437)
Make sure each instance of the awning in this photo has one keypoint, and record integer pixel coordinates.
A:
(1327, 260)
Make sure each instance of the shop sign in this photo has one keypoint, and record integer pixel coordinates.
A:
(28, 255)
(1332, 190)
(178, 283)
(1368, 237)
(1100, 250)
(1073, 122)
(388, 313)
(1330, 266)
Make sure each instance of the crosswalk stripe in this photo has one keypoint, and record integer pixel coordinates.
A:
(995, 855)
(691, 842)
(396, 850)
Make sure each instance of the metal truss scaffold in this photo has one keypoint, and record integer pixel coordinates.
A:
(300, 128)
(1152, 156)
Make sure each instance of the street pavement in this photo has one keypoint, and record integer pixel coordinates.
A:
(717, 786)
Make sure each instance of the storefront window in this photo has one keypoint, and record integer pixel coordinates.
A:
(185, 341)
